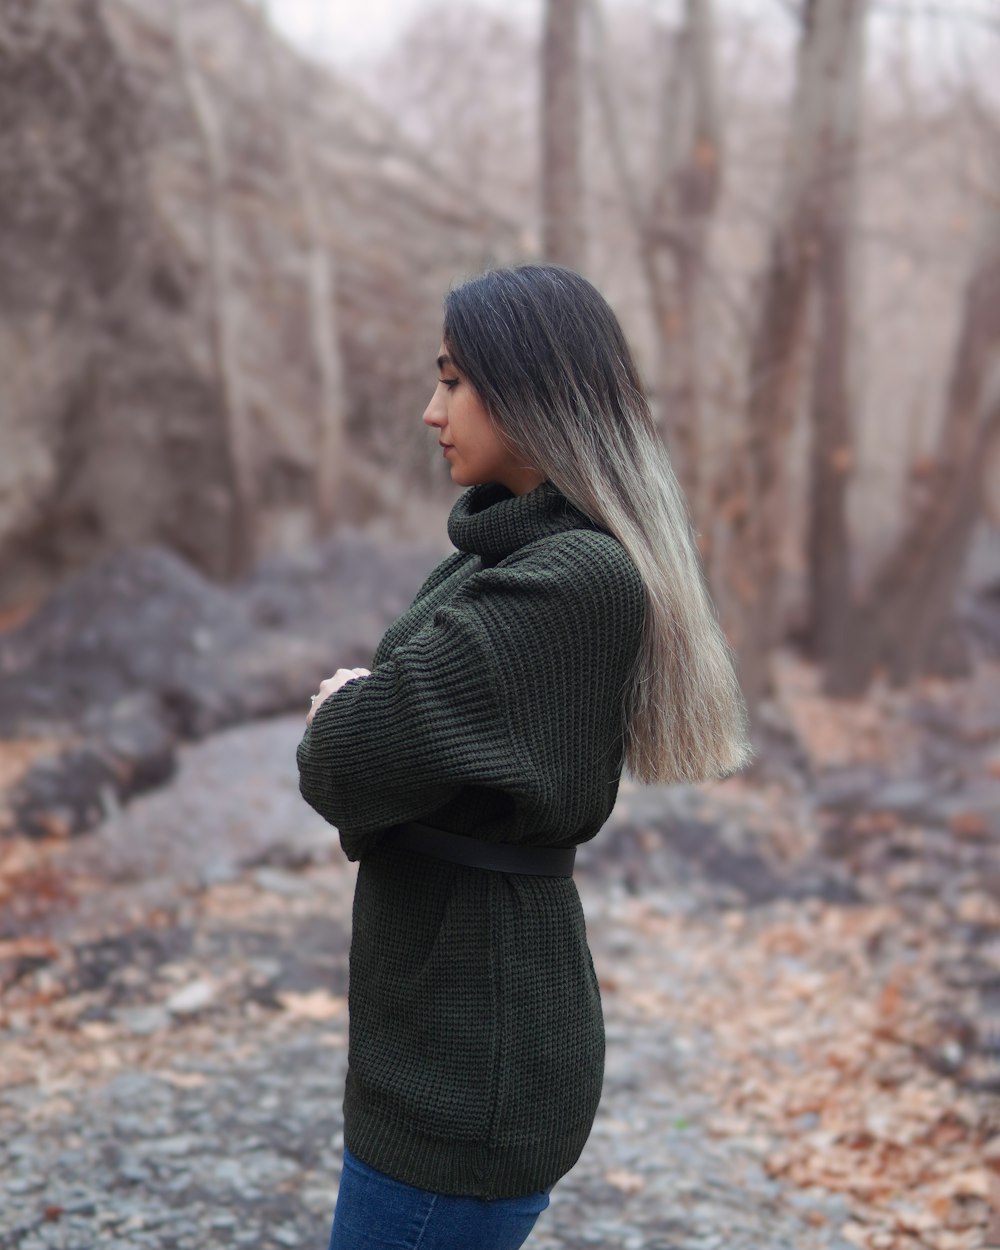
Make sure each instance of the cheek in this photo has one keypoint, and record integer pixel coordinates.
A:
(457, 416)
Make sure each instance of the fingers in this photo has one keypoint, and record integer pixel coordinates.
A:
(330, 684)
(342, 675)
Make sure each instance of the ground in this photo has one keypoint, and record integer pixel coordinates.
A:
(788, 1060)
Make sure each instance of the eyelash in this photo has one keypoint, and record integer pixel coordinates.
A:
(450, 383)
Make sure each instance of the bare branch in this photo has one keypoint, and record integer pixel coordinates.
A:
(608, 98)
(937, 12)
(561, 175)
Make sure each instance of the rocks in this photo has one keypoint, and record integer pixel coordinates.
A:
(847, 789)
(909, 797)
(142, 1020)
(147, 1179)
(113, 420)
(279, 882)
(140, 652)
(681, 835)
(175, 1047)
(192, 998)
(200, 1059)
(973, 811)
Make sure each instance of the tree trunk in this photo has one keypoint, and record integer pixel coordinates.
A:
(682, 219)
(829, 43)
(831, 457)
(831, 460)
(913, 595)
(672, 228)
(562, 175)
(320, 291)
(222, 306)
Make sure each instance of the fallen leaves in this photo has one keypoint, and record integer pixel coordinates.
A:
(826, 1050)
(628, 1182)
(313, 1005)
(843, 731)
(19, 755)
(818, 1059)
(182, 1080)
(29, 948)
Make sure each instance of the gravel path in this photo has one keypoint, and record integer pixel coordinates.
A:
(173, 1062)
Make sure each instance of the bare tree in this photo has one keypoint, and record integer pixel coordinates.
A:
(562, 177)
(320, 284)
(755, 492)
(682, 219)
(673, 222)
(222, 302)
(910, 600)
(831, 457)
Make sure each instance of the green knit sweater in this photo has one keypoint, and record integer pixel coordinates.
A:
(494, 709)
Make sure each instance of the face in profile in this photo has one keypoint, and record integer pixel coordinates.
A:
(472, 445)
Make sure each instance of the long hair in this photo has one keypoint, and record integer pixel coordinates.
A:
(549, 360)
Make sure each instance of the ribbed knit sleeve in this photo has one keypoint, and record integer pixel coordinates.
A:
(395, 745)
(515, 684)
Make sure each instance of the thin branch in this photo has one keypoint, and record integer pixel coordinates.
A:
(936, 12)
(608, 98)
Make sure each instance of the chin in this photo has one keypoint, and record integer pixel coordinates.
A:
(462, 477)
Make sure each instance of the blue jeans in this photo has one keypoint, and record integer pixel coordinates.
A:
(377, 1212)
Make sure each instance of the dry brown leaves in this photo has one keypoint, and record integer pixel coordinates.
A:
(819, 1064)
(842, 731)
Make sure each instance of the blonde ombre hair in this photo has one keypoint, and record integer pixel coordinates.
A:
(548, 358)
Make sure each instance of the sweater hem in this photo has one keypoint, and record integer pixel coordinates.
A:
(462, 1167)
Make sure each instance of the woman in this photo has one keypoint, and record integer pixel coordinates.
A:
(569, 635)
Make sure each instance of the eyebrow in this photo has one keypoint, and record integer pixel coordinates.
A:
(442, 361)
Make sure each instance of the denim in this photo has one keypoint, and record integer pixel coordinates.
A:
(377, 1212)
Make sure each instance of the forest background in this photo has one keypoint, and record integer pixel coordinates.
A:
(224, 265)
(223, 254)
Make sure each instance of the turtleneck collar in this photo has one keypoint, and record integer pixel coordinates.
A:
(492, 522)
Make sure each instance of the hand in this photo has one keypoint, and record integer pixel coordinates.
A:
(330, 684)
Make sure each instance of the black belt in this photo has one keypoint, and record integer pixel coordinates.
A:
(545, 861)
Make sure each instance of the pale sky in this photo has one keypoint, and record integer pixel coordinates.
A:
(944, 34)
(344, 30)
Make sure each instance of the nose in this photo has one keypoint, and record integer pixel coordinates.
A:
(434, 413)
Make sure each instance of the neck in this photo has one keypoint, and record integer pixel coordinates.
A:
(523, 479)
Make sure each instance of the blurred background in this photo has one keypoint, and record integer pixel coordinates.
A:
(226, 231)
